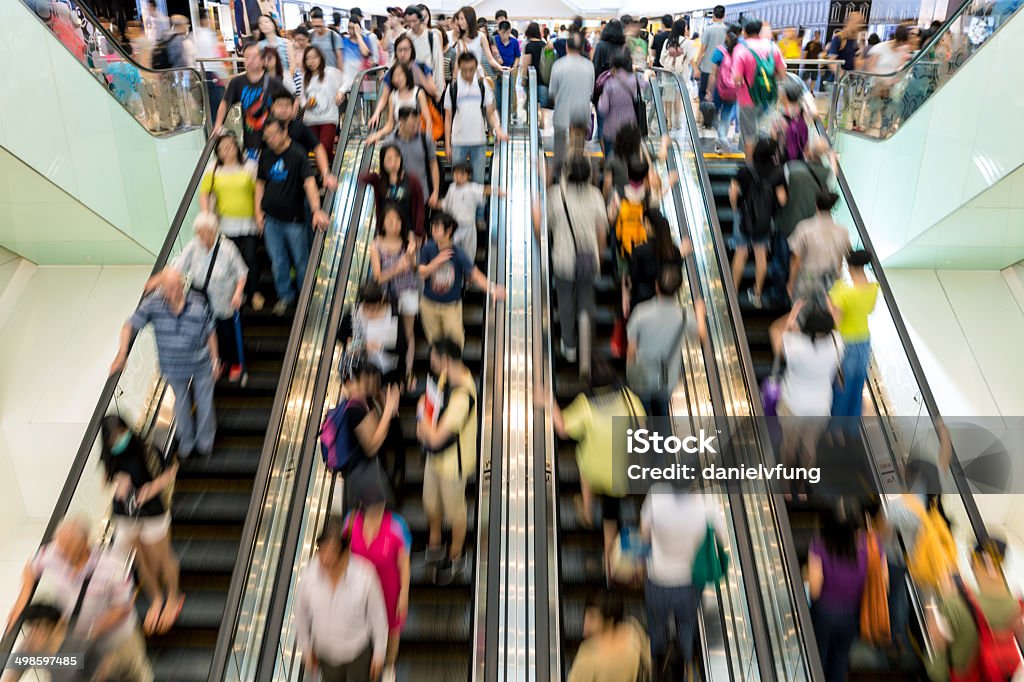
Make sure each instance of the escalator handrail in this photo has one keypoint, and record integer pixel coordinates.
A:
(261, 481)
(738, 504)
(921, 57)
(92, 429)
(956, 470)
(97, 27)
(749, 376)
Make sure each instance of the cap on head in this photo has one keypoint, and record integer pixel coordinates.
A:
(355, 14)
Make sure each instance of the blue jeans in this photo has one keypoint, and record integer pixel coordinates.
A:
(835, 632)
(197, 434)
(847, 401)
(678, 603)
(899, 605)
(288, 246)
(477, 155)
(726, 114)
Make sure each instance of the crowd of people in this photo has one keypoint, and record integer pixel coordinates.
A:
(276, 128)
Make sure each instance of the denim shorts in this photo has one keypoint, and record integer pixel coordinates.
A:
(740, 239)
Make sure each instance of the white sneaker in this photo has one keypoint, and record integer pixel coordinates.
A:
(568, 353)
(389, 674)
(280, 308)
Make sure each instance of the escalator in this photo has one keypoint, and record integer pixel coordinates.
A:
(109, 145)
(901, 412)
(733, 640)
(925, 147)
(225, 507)
(438, 640)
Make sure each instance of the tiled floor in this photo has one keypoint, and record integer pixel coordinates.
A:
(56, 343)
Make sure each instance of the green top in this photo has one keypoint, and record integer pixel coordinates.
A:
(1000, 611)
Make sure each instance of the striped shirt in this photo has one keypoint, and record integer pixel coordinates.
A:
(180, 339)
(110, 587)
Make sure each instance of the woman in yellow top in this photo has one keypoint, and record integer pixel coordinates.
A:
(588, 421)
(789, 44)
(229, 190)
(853, 301)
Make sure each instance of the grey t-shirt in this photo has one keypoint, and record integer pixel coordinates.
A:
(328, 43)
(713, 36)
(414, 158)
(571, 87)
(653, 327)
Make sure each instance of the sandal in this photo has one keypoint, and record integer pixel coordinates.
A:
(170, 616)
(152, 621)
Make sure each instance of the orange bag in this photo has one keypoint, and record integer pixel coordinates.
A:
(874, 602)
(436, 120)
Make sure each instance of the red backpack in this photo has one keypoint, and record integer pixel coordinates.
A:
(726, 79)
(998, 656)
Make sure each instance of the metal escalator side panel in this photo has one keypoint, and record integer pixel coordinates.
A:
(548, 616)
(488, 596)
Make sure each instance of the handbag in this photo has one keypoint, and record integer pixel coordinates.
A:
(584, 265)
(771, 390)
(626, 561)
(618, 341)
(874, 602)
(711, 561)
(640, 109)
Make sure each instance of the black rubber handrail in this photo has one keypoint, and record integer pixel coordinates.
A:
(240, 573)
(92, 429)
(919, 58)
(98, 27)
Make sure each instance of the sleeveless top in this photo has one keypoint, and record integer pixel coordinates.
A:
(407, 281)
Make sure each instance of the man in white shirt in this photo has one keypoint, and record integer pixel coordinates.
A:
(465, 122)
(427, 42)
(675, 521)
(341, 623)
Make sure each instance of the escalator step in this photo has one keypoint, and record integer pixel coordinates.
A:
(182, 664)
(432, 664)
(202, 611)
(210, 508)
(224, 463)
(435, 616)
(206, 556)
(243, 420)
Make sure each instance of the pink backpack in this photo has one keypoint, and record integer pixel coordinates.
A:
(726, 81)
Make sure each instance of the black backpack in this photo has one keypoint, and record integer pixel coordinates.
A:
(162, 52)
(453, 97)
(758, 207)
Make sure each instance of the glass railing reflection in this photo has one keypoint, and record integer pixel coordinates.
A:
(877, 104)
(163, 101)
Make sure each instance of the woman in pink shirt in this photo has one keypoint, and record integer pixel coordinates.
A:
(383, 538)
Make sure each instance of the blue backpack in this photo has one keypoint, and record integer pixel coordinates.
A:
(336, 442)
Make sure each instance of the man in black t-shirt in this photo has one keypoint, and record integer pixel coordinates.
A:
(304, 137)
(255, 90)
(283, 180)
(660, 38)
